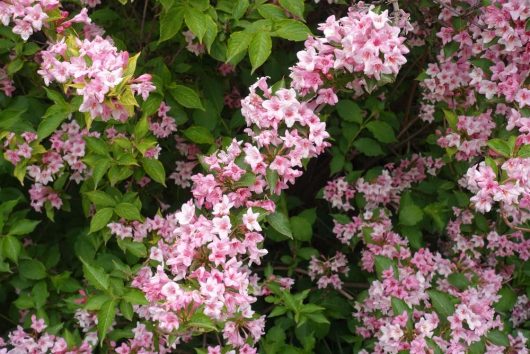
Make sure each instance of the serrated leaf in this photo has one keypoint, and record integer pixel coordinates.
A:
(295, 7)
(349, 111)
(96, 276)
(291, 30)
(155, 170)
(171, 22)
(199, 135)
(259, 49)
(106, 316)
(128, 211)
(186, 97)
(442, 303)
(368, 146)
(100, 199)
(101, 219)
(382, 131)
(32, 269)
(238, 43)
(280, 223)
(11, 247)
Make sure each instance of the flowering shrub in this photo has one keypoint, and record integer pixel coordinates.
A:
(244, 176)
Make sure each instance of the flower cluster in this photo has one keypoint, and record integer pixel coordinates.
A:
(27, 16)
(38, 341)
(402, 310)
(165, 125)
(200, 256)
(327, 271)
(471, 136)
(192, 43)
(98, 72)
(364, 43)
(6, 84)
(43, 166)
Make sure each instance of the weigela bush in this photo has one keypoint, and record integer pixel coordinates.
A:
(244, 176)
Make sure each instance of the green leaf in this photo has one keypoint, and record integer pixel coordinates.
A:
(201, 321)
(23, 227)
(11, 247)
(442, 303)
(301, 228)
(96, 276)
(291, 30)
(259, 49)
(14, 66)
(238, 43)
(451, 119)
(126, 310)
(500, 146)
(451, 48)
(295, 7)
(349, 111)
(498, 338)
(271, 11)
(95, 302)
(382, 263)
(106, 316)
(186, 97)
(368, 146)
(409, 213)
(199, 135)
(507, 300)
(101, 219)
(135, 297)
(399, 306)
(382, 131)
(100, 199)
(458, 280)
(40, 294)
(170, 22)
(196, 22)
(32, 269)
(524, 151)
(337, 163)
(155, 170)
(240, 8)
(128, 211)
(52, 119)
(97, 145)
(280, 223)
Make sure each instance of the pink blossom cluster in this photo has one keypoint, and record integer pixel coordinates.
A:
(96, 70)
(91, 3)
(6, 84)
(385, 188)
(39, 342)
(470, 137)
(200, 256)
(143, 341)
(410, 276)
(164, 125)
(184, 169)
(192, 43)
(511, 192)
(328, 271)
(521, 311)
(491, 60)
(489, 246)
(285, 129)
(364, 43)
(28, 16)
(43, 166)
(232, 99)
